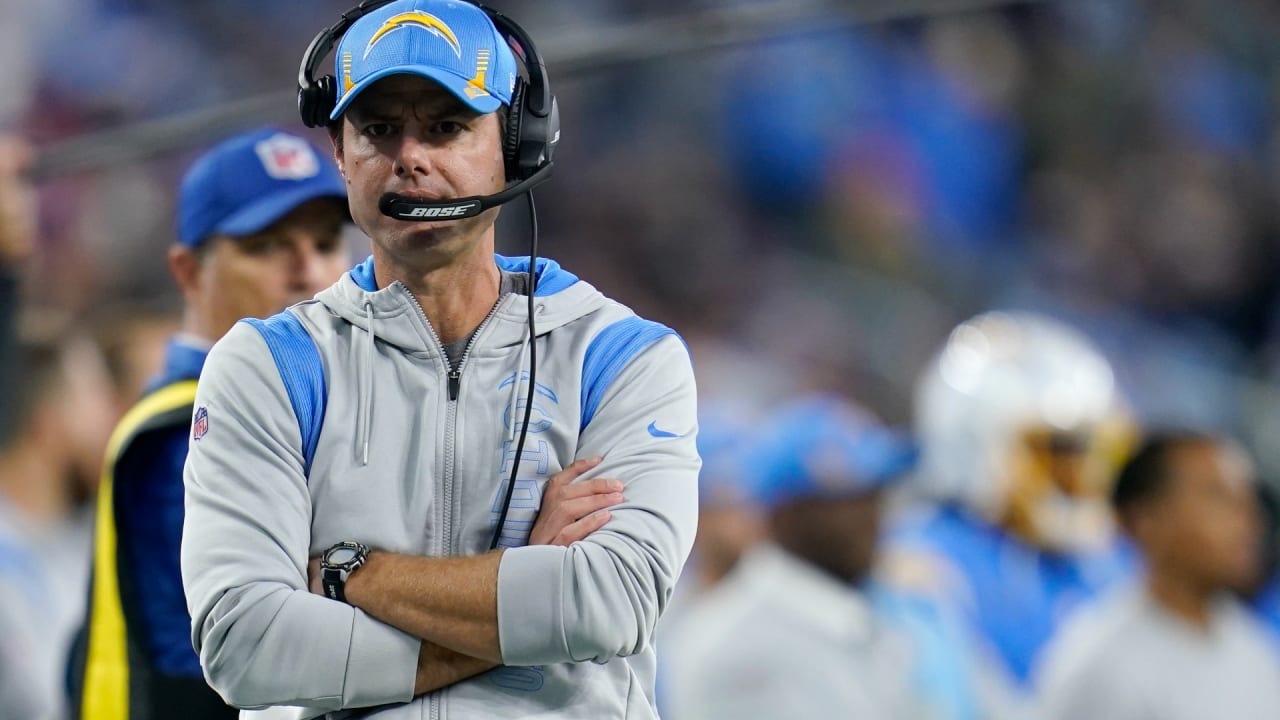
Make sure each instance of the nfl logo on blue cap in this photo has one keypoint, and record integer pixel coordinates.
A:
(286, 157)
(244, 184)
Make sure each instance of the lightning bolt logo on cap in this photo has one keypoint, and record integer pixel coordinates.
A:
(454, 44)
(418, 19)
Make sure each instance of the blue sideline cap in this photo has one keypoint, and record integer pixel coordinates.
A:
(825, 447)
(452, 43)
(244, 184)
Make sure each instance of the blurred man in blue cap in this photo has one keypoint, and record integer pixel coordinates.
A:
(798, 629)
(729, 519)
(260, 227)
(730, 523)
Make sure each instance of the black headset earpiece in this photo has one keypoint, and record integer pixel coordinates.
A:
(533, 122)
(533, 119)
(318, 96)
(511, 133)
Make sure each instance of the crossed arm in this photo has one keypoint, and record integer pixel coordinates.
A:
(452, 603)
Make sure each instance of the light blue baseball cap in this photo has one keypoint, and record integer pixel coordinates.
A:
(826, 447)
(452, 43)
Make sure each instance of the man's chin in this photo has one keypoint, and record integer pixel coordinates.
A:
(431, 235)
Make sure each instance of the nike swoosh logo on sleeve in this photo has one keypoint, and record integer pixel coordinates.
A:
(654, 431)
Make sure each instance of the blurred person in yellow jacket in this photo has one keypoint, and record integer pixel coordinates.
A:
(259, 227)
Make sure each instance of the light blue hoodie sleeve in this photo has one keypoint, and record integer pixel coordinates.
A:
(601, 598)
(262, 637)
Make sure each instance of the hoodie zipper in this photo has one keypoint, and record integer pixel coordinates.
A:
(454, 376)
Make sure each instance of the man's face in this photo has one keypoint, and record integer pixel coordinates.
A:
(1207, 525)
(408, 135)
(261, 274)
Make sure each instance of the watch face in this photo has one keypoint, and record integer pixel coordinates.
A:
(341, 556)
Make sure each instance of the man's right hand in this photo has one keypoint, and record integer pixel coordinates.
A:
(572, 511)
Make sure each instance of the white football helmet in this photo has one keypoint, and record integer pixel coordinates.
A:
(1019, 418)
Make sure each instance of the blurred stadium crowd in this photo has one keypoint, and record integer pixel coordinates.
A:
(814, 213)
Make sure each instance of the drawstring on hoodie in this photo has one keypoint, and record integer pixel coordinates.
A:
(366, 393)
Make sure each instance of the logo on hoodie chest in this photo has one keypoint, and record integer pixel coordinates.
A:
(537, 458)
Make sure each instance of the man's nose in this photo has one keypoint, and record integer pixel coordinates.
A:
(414, 157)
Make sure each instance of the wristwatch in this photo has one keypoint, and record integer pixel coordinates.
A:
(337, 564)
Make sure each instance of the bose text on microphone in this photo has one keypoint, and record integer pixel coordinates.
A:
(402, 207)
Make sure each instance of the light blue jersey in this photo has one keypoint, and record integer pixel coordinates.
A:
(1010, 594)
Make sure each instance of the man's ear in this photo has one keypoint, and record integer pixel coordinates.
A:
(184, 265)
(335, 138)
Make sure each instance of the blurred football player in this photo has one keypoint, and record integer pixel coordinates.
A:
(1021, 426)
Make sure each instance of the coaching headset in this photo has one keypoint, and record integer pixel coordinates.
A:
(528, 143)
(528, 140)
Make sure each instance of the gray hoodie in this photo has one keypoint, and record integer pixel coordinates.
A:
(374, 449)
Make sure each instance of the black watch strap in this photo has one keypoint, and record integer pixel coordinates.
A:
(336, 566)
(335, 586)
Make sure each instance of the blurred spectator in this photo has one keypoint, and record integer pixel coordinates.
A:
(797, 628)
(1179, 645)
(729, 522)
(62, 412)
(51, 425)
(134, 339)
(260, 226)
(1014, 418)
(17, 237)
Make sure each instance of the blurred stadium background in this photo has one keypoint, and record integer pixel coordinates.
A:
(813, 192)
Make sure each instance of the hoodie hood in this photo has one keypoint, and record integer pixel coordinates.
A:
(393, 311)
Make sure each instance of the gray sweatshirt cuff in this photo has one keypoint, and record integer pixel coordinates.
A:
(381, 666)
(530, 624)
